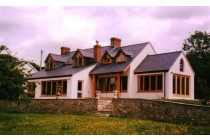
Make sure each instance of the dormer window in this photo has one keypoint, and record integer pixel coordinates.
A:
(106, 59)
(78, 60)
(121, 58)
(181, 65)
(49, 64)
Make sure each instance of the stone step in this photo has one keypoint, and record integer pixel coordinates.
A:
(102, 115)
(109, 106)
(104, 111)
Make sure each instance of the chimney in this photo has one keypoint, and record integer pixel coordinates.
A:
(64, 49)
(97, 52)
(115, 42)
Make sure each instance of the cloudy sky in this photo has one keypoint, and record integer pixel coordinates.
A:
(27, 30)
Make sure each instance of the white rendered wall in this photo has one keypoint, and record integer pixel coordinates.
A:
(87, 86)
(187, 71)
(132, 78)
(39, 88)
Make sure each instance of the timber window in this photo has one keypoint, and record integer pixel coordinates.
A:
(150, 83)
(31, 89)
(106, 59)
(79, 89)
(54, 87)
(107, 84)
(121, 58)
(123, 83)
(180, 85)
(78, 60)
(181, 65)
(49, 64)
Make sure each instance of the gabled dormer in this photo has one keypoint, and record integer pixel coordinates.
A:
(106, 59)
(49, 63)
(121, 56)
(78, 59)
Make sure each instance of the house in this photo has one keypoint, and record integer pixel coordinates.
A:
(27, 68)
(135, 71)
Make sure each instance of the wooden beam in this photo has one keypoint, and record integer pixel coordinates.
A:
(118, 85)
(94, 85)
(107, 75)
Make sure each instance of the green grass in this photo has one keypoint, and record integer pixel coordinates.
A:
(182, 101)
(51, 124)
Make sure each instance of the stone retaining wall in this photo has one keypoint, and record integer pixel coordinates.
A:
(162, 111)
(61, 106)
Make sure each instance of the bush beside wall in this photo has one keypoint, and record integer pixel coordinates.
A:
(61, 106)
(161, 111)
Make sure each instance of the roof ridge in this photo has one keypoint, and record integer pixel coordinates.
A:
(165, 53)
(58, 55)
(135, 44)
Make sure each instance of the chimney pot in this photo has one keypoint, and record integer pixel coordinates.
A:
(64, 50)
(115, 42)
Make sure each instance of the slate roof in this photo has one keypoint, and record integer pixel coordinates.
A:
(66, 70)
(118, 67)
(157, 62)
(60, 58)
(86, 53)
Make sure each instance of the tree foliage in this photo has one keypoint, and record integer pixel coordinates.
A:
(12, 77)
(197, 47)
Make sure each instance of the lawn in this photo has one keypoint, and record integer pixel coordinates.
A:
(51, 124)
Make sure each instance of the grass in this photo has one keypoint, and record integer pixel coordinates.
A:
(52, 124)
(194, 102)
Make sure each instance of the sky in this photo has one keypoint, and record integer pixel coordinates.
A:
(28, 30)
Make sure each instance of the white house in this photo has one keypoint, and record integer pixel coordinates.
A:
(135, 71)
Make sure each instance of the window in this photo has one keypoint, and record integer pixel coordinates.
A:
(49, 64)
(150, 83)
(106, 59)
(78, 60)
(53, 87)
(121, 58)
(124, 83)
(79, 89)
(181, 65)
(180, 85)
(107, 84)
(31, 89)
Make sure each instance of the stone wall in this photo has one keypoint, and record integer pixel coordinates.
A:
(61, 106)
(162, 111)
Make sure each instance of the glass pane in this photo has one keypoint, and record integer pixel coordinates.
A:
(178, 84)
(59, 83)
(79, 86)
(174, 84)
(80, 61)
(107, 84)
(122, 57)
(146, 85)
(124, 82)
(101, 81)
(141, 83)
(153, 82)
(48, 88)
(51, 64)
(183, 86)
(187, 86)
(53, 87)
(43, 88)
(112, 85)
(79, 95)
(64, 87)
(160, 82)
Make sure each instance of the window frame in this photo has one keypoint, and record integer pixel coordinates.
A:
(77, 63)
(80, 91)
(51, 92)
(156, 83)
(48, 63)
(181, 61)
(120, 55)
(106, 57)
(109, 86)
(181, 88)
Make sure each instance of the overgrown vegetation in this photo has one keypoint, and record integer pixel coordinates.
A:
(197, 47)
(47, 124)
(12, 75)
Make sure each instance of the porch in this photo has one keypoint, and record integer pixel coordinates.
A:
(107, 83)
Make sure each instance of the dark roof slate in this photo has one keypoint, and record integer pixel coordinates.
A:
(60, 58)
(86, 53)
(157, 62)
(118, 67)
(66, 70)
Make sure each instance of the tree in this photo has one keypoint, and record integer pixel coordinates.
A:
(12, 77)
(197, 47)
